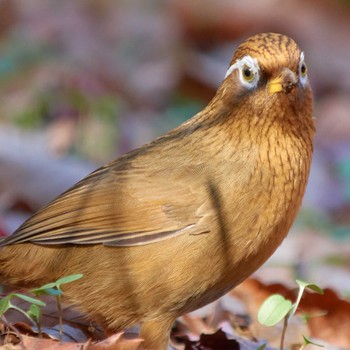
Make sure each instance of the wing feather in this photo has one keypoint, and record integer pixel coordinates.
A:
(118, 208)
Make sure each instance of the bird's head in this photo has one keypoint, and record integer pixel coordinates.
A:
(268, 73)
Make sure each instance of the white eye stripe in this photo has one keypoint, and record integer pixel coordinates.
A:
(252, 64)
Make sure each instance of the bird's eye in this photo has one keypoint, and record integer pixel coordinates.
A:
(303, 69)
(247, 73)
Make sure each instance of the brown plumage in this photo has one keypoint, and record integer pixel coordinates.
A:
(175, 224)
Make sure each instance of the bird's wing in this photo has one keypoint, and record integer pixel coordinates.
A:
(120, 207)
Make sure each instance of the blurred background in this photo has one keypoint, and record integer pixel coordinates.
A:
(83, 81)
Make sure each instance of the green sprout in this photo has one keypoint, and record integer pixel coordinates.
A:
(6, 304)
(277, 308)
(34, 313)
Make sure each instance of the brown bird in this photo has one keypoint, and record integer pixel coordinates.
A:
(175, 224)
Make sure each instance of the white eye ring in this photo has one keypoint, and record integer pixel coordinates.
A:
(303, 71)
(244, 64)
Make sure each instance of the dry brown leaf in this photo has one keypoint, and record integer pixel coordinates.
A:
(196, 324)
(115, 342)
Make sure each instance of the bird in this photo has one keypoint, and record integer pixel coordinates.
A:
(175, 224)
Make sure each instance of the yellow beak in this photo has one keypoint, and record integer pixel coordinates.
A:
(285, 82)
(275, 85)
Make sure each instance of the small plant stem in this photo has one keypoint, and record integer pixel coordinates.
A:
(40, 321)
(284, 330)
(297, 302)
(59, 308)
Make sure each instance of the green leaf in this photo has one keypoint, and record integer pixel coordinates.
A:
(34, 312)
(311, 286)
(262, 347)
(29, 299)
(273, 310)
(302, 285)
(46, 291)
(5, 303)
(308, 341)
(44, 287)
(68, 279)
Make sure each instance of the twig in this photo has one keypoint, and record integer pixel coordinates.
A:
(284, 330)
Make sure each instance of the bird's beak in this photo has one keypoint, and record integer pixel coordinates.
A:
(284, 82)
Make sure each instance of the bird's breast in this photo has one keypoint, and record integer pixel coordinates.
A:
(255, 214)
